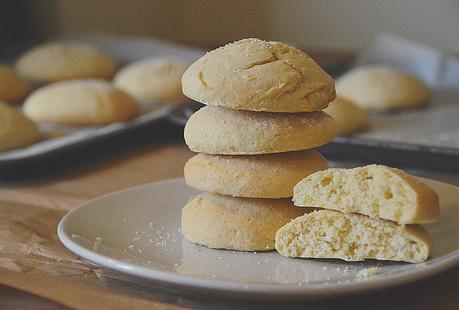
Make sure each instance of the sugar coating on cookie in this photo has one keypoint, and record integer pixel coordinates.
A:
(374, 190)
(256, 176)
(216, 130)
(155, 79)
(256, 75)
(80, 102)
(12, 86)
(348, 116)
(59, 61)
(352, 237)
(16, 130)
(380, 88)
(235, 223)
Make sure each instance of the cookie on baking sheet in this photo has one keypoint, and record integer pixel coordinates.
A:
(381, 88)
(256, 75)
(59, 61)
(241, 224)
(216, 130)
(16, 130)
(155, 79)
(259, 176)
(80, 102)
(12, 86)
(349, 117)
(375, 190)
(352, 237)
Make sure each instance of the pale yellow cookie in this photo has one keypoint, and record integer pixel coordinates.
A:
(63, 61)
(80, 102)
(215, 130)
(382, 88)
(16, 130)
(12, 86)
(348, 116)
(153, 80)
(352, 237)
(252, 74)
(374, 190)
(242, 224)
(259, 176)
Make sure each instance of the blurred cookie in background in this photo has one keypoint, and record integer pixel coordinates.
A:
(382, 88)
(13, 88)
(155, 79)
(348, 116)
(59, 61)
(80, 102)
(16, 130)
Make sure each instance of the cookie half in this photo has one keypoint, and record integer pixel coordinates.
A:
(352, 237)
(375, 190)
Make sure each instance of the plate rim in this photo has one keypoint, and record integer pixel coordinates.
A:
(247, 290)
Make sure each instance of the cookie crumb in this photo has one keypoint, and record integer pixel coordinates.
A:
(97, 244)
(368, 272)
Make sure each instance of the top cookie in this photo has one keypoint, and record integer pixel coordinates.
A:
(381, 88)
(63, 61)
(255, 75)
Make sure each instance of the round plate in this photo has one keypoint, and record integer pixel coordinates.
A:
(137, 231)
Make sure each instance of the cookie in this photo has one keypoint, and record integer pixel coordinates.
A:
(63, 61)
(12, 86)
(80, 102)
(352, 237)
(16, 130)
(382, 88)
(241, 224)
(153, 80)
(259, 176)
(349, 117)
(215, 130)
(255, 75)
(374, 190)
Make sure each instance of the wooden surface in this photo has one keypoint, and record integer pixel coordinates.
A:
(155, 153)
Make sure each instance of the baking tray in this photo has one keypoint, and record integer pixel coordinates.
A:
(58, 138)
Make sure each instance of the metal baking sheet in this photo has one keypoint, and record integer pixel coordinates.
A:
(57, 138)
(426, 137)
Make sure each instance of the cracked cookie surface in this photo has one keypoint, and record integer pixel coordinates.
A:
(255, 75)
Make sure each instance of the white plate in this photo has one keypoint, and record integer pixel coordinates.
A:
(136, 231)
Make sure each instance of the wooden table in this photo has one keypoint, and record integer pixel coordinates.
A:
(51, 188)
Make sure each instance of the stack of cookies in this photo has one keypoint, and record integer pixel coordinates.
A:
(371, 212)
(263, 117)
